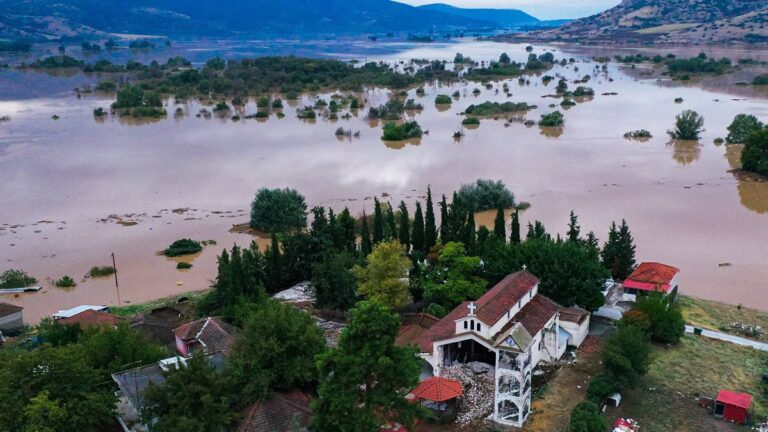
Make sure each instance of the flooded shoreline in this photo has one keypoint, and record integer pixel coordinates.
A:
(112, 186)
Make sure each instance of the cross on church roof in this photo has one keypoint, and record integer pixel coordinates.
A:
(525, 267)
(472, 307)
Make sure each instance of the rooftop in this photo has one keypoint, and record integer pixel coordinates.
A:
(741, 400)
(76, 310)
(282, 413)
(91, 318)
(438, 389)
(9, 309)
(498, 300)
(652, 276)
(214, 334)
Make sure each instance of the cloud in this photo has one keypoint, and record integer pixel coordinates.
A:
(543, 9)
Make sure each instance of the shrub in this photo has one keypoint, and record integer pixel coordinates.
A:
(278, 210)
(496, 108)
(760, 80)
(471, 121)
(601, 387)
(16, 279)
(277, 103)
(436, 310)
(688, 125)
(741, 128)
(586, 417)
(99, 112)
(640, 133)
(443, 100)
(183, 265)
(407, 130)
(659, 317)
(102, 271)
(567, 102)
(183, 247)
(583, 91)
(754, 157)
(552, 119)
(65, 282)
(263, 102)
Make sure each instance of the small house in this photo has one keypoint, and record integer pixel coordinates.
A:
(209, 335)
(732, 406)
(92, 318)
(10, 317)
(67, 313)
(651, 277)
(574, 322)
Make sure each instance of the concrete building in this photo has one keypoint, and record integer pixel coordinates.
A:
(10, 317)
(511, 327)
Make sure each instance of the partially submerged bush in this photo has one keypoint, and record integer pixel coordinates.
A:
(407, 130)
(688, 125)
(65, 282)
(471, 121)
(183, 247)
(742, 127)
(496, 108)
(183, 265)
(102, 271)
(638, 134)
(443, 100)
(552, 119)
(16, 279)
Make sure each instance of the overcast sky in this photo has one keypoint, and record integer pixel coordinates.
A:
(543, 9)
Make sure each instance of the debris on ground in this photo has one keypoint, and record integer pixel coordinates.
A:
(300, 292)
(477, 402)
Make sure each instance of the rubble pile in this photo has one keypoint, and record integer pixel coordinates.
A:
(761, 427)
(747, 329)
(477, 402)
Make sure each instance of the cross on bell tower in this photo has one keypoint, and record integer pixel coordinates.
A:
(525, 267)
(472, 307)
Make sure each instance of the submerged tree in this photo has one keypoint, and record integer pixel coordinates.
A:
(754, 157)
(742, 127)
(278, 210)
(688, 125)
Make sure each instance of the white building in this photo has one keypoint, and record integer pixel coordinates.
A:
(511, 327)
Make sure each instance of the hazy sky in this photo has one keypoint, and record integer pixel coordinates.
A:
(543, 9)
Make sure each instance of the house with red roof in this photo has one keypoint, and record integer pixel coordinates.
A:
(91, 318)
(208, 335)
(651, 277)
(511, 327)
(732, 406)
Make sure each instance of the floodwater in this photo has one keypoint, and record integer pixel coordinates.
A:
(77, 189)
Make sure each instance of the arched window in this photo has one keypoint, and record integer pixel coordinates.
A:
(472, 324)
(479, 327)
(465, 325)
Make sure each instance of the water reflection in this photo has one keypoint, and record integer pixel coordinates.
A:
(550, 131)
(685, 151)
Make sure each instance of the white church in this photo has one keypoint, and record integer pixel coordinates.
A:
(511, 327)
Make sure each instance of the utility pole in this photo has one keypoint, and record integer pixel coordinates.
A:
(117, 286)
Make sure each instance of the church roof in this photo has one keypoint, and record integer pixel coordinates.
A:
(497, 301)
(214, 334)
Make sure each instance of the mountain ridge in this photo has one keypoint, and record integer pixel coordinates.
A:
(504, 17)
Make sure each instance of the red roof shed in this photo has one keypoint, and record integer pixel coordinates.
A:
(732, 406)
(438, 389)
(652, 276)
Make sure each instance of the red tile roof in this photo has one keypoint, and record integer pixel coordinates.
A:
(651, 276)
(438, 389)
(536, 313)
(413, 327)
(741, 400)
(9, 309)
(91, 318)
(214, 334)
(504, 295)
(282, 413)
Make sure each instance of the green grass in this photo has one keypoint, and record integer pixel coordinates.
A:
(140, 308)
(716, 316)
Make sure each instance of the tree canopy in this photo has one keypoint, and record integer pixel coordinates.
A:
(278, 210)
(754, 157)
(385, 278)
(454, 278)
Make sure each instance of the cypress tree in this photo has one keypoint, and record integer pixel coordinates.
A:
(347, 227)
(470, 237)
(418, 230)
(626, 250)
(515, 236)
(366, 247)
(378, 222)
(405, 227)
(445, 230)
(275, 268)
(574, 230)
(500, 225)
(391, 227)
(430, 229)
(618, 253)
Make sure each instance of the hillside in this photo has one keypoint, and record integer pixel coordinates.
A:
(53, 19)
(677, 21)
(502, 17)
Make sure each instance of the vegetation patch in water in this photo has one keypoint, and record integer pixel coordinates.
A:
(16, 279)
(496, 108)
(183, 247)
(407, 130)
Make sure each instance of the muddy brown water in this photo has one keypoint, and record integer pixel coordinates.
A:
(61, 180)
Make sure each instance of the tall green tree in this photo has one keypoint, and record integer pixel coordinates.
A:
(391, 231)
(378, 222)
(347, 224)
(194, 398)
(742, 127)
(417, 237)
(445, 222)
(618, 253)
(469, 236)
(536, 231)
(574, 230)
(384, 279)
(364, 381)
(275, 351)
(754, 157)
(430, 229)
(366, 245)
(333, 282)
(404, 235)
(586, 417)
(500, 224)
(278, 210)
(274, 267)
(514, 237)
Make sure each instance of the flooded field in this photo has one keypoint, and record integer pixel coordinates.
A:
(77, 189)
